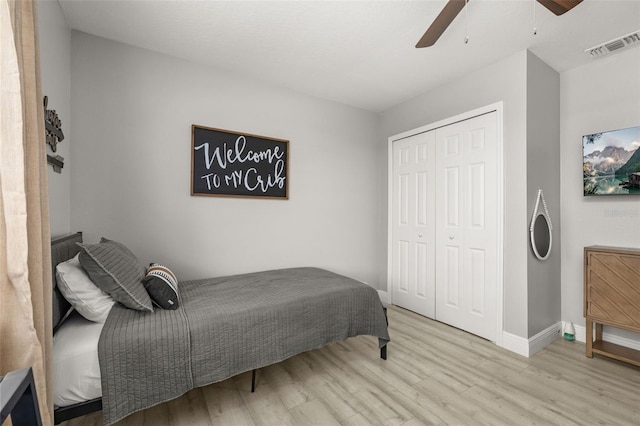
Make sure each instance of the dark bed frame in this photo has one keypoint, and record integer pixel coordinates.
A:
(62, 249)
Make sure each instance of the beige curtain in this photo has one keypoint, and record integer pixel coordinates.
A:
(25, 254)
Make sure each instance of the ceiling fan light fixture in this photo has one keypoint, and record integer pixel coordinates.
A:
(453, 7)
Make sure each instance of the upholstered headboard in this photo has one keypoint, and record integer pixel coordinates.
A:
(62, 248)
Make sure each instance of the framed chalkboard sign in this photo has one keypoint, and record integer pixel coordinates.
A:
(232, 164)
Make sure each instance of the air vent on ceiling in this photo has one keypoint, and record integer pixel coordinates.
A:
(614, 45)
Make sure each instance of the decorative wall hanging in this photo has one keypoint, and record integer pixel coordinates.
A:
(54, 135)
(540, 229)
(227, 163)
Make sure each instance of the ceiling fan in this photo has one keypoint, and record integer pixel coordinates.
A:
(453, 7)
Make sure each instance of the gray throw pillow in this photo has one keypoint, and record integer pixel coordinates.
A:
(117, 271)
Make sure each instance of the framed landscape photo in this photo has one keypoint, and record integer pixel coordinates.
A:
(611, 162)
(233, 164)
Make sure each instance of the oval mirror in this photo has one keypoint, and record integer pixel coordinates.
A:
(541, 237)
(541, 228)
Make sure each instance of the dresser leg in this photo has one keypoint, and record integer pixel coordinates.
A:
(598, 332)
(589, 338)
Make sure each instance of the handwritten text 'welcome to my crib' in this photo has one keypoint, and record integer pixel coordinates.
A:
(234, 173)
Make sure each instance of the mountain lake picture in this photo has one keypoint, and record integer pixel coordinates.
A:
(611, 162)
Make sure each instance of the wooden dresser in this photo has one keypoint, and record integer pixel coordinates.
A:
(612, 298)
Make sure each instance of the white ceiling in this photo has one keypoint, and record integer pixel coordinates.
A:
(359, 53)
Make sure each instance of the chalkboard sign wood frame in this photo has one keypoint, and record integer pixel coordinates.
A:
(225, 163)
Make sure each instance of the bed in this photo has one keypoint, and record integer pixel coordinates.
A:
(222, 327)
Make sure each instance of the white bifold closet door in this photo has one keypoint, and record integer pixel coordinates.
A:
(413, 223)
(444, 229)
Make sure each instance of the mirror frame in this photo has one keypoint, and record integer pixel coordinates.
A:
(534, 245)
(545, 214)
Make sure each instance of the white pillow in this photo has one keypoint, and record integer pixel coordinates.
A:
(87, 298)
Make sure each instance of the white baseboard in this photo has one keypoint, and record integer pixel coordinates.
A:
(544, 338)
(581, 332)
(581, 336)
(385, 297)
(516, 344)
(528, 347)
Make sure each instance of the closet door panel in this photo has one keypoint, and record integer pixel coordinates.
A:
(466, 212)
(413, 224)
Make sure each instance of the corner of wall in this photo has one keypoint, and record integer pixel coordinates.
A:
(543, 172)
(528, 347)
(55, 72)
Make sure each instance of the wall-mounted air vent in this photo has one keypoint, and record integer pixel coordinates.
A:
(614, 45)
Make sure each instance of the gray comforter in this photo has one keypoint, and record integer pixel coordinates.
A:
(226, 326)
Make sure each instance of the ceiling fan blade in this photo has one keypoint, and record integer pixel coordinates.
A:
(559, 7)
(442, 21)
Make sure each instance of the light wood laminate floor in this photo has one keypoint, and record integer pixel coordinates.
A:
(435, 374)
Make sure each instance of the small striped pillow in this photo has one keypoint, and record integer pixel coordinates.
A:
(162, 286)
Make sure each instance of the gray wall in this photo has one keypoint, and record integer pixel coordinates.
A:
(543, 171)
(134, 102)
(132, 113)
(503, 81)
(55, 65)
(603, 95)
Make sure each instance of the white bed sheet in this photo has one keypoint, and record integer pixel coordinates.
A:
(76, 370)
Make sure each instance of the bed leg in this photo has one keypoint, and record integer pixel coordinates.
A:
(383, 350)
(253, 381)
